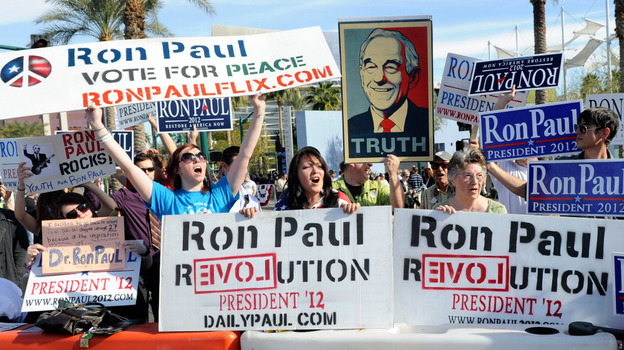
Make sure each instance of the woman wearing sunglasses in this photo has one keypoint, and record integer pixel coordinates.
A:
(192, 193)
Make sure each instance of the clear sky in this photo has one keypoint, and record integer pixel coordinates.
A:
(459, 26)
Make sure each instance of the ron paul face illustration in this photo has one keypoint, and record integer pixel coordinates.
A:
(385, 74)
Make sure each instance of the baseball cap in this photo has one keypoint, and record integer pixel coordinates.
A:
(443, 155)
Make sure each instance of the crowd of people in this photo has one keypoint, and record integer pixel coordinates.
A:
(151, 189)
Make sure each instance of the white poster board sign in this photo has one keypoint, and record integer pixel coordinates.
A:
(497, 270)
(300, 269)
(111, 288)
(64, 160)
(453, 100)
(9, 161)
(121, 72)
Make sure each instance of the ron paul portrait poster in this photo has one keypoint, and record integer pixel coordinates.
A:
(387, 88)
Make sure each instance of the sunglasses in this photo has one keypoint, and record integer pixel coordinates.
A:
(190, 157)
(72, 214)
(436, 166)
(148, 170)
(582, 128)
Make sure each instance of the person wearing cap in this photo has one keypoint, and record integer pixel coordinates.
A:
(355, 183)
(441, 191)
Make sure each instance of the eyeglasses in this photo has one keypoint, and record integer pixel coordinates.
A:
(436, 166)
(190, 157)
(467, 177)
(582, 128)
(72, 214)
(148, 170)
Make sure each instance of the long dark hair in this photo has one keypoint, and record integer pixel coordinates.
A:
(71, 198)
(296, 197)
(174, 163)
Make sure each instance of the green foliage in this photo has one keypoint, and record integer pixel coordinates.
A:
(15, 129)
(324, 97)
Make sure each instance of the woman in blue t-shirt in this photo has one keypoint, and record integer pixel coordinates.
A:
(192, 193)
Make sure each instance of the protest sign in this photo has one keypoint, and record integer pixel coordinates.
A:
(206, 114)
(9, 161)
(125, 139)
(453, 100)
(576, 187)
(526, 72)
(615, 102)
(387, 99)
(83, 245)
(134, 114)
(64, 160)
(111, 288)
(123, 72)
(536, 131)
(490, 270)
(299, 269)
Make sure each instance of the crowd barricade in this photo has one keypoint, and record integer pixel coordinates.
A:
(425, 337)
(143, 336)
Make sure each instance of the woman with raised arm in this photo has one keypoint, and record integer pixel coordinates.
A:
(193, 192)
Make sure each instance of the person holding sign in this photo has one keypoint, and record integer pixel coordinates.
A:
(310, 185)
(467, 173)
(596, 128)
(193, 192)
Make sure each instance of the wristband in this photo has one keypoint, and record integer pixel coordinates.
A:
(22, 189)
(104, 138)
(147, 251)
(27, 267)
(96, 130)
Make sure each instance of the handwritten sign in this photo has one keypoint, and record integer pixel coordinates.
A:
(83, 245)
(65, 160)
(300, 269)
(526, 72)
(124, 72)
(453, 100)
(9, 161)
(576, 187)
(111, 288)
(536, 131)
(495, 270)
(615, 102)
(206, 114)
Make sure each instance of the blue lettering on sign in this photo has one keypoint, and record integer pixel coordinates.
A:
(8, 149)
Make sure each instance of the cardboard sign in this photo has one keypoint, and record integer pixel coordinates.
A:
(134, 114)
(206, 114)
(64, 160)
(111, 288)
(453, 100)
(576, 187)
(495, 270)
(615, 102)
(122, 72)
(300, 269)
(9, 161)
(536, 131)
(381, 116)
(526, 72)
(83, 245)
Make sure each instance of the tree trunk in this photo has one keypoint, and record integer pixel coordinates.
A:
(539, 32)
(113, 184)
(134, 28)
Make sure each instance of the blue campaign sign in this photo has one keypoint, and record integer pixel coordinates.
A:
(125, 139)
(576, 187)
(536, 131)
(527, 73)
(207, 114)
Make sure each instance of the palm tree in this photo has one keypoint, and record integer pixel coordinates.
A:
(134, 21)
(279, 97)
(539, 35)
(324, 97)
